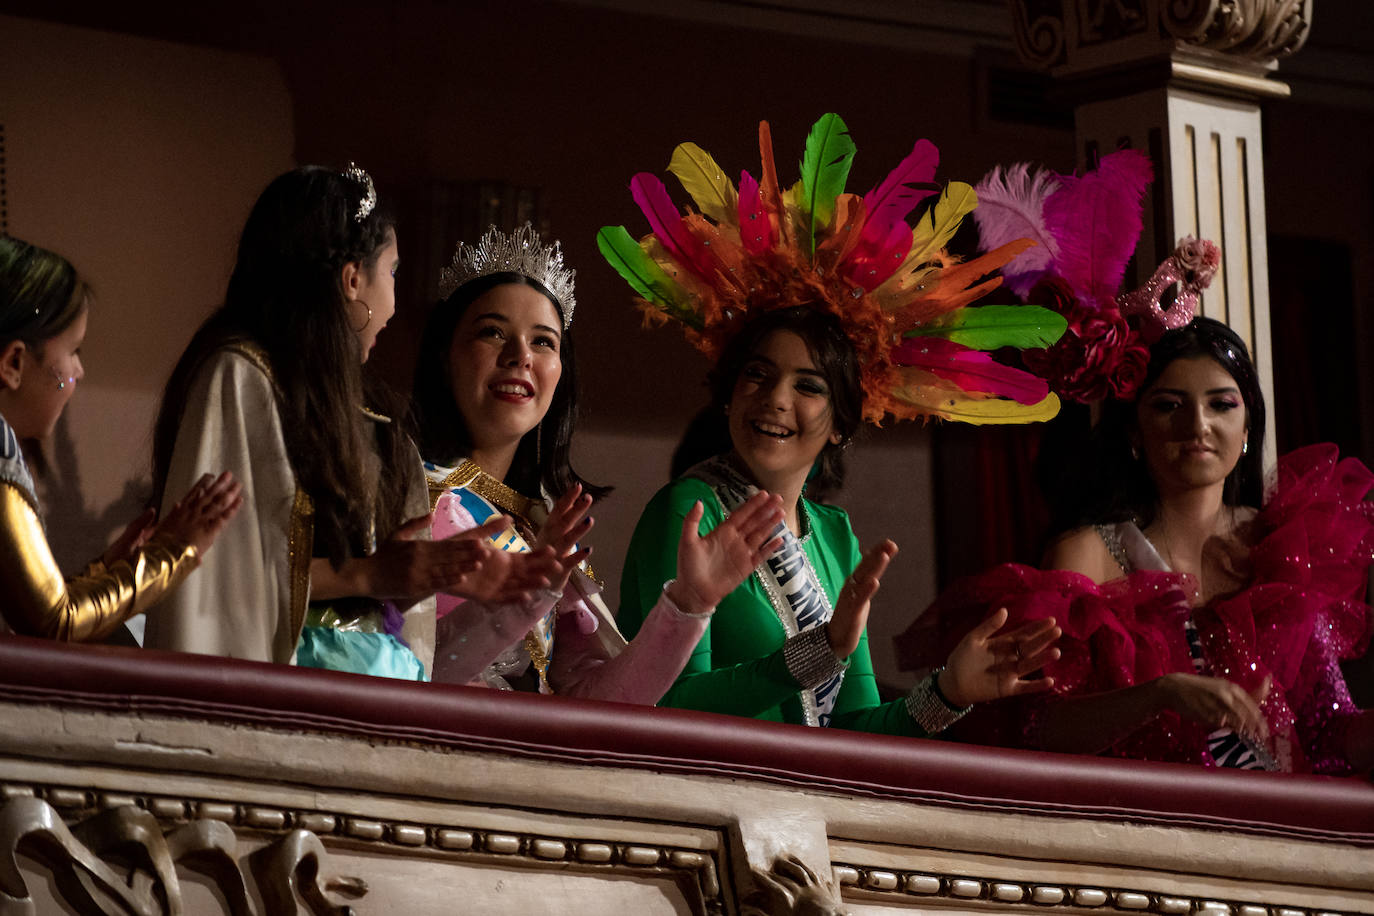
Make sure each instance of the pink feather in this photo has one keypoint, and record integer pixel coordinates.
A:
(755, 229)
(870, 265)
(969, 369)
(894, 199)
(651, 195)
(1011, 206)
(1096, 218)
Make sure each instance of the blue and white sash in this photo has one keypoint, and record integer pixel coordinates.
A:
(787, 578)
(483, 496)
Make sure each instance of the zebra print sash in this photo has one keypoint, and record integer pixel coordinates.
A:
(787, 578)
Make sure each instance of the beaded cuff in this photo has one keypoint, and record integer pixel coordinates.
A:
(930, 708)
(810, 659)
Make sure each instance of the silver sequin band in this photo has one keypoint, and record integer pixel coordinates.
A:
(810, 659)
(928, 706)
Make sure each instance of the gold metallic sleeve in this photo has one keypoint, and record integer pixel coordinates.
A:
(39, 602)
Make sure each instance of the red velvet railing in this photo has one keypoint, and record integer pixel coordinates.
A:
(553, 728)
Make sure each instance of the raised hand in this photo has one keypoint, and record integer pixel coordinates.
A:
(710, 567)
(987, 665)
(200, 515)
(851, 609)
(568, 522)
(1217, 703)
(133, 537)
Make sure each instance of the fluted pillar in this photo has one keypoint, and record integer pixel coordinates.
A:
(1181, 80)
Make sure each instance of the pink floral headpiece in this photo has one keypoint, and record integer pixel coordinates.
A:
(1087, 227)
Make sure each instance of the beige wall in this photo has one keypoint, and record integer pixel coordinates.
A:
(138, 160)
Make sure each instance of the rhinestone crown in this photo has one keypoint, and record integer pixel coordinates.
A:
(521, 253)
(355, 172)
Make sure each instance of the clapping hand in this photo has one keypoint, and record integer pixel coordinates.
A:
(199, 516)
(987, 666)
(567, 523)
(847, 624)
(710, 567)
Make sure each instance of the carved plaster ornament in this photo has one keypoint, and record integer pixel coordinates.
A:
(132, 841)
(792, 889)
(1048, 33)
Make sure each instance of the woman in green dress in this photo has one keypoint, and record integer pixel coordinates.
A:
(789, 643)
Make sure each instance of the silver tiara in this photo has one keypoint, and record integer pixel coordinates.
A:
(519, 252)
(369, 200)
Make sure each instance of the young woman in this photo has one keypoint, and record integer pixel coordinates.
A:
(787, 401)
(496, 387)
(330, 565)
(1201, 623)
(43, 310)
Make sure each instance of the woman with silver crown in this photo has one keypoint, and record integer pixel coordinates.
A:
(43, 308)
(820, 309)
(496, 389)
(331, 564)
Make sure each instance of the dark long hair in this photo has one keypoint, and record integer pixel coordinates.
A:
(41, 294)
(543, 459)
(1099, 480)
(708, 433)
(286, 296)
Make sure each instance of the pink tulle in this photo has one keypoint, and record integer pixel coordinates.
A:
(1302, 614)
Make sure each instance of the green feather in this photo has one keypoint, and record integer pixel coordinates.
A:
(645, 277)
(1026, 327)
(824, 171)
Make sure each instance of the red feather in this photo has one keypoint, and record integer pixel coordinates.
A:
(911, 182)
(755, 231)
(652, 197)
(970, 369)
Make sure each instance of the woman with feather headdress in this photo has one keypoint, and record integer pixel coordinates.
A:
(1203, 623)
(821, 309)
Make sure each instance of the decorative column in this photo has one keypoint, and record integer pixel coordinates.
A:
(1181, 80)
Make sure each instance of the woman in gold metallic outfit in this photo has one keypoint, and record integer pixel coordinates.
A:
(43, 307)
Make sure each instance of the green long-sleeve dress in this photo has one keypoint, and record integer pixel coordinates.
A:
(738, 666)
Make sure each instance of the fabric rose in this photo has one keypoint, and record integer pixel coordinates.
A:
(1099, 355)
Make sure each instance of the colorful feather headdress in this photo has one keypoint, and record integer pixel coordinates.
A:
(901, 298)
(1086, 228)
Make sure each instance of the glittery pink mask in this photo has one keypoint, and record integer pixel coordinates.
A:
(1192, 266)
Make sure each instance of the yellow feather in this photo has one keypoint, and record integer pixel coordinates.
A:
(955, 405)
(939, 223)
(701, 177)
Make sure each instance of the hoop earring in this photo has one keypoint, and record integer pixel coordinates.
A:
(367, 321)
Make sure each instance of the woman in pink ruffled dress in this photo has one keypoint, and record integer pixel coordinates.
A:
(1202, 622)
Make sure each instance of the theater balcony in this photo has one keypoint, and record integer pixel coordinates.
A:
(147, 782)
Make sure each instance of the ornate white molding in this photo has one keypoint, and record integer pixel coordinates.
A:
(1071, 33)
(1016, 895)
(172, 828)
(285, 872)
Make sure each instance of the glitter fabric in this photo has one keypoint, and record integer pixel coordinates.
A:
(1301, 614)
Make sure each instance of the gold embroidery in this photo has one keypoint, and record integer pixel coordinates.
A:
(301, 544)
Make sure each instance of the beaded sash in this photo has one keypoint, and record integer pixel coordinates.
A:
(787, 578)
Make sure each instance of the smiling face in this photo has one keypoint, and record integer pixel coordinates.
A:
(375, 286)
(780, 412)
(505, 363)
(1191, 425)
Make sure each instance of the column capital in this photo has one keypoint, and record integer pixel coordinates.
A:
(1243, 38)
